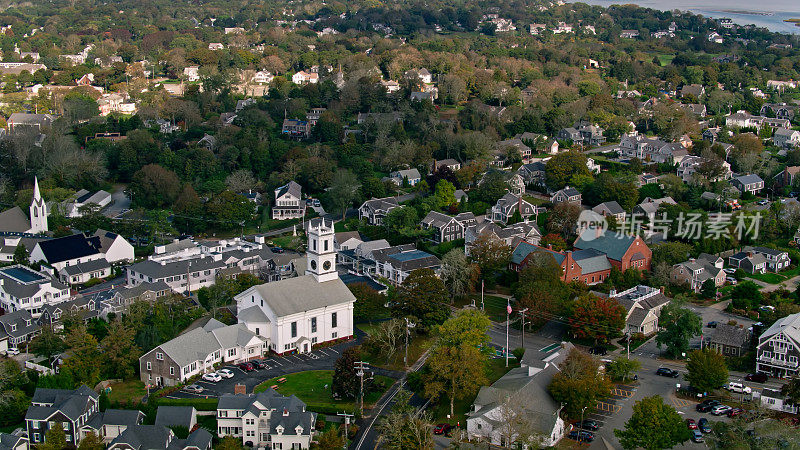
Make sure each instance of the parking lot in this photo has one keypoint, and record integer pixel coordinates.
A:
(318, 359)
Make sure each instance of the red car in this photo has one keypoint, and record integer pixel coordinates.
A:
(247, 367)
(691, 424)
(442, 428)
(735, 412)
(758, 377)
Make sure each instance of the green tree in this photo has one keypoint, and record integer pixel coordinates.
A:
(401, 221)
(346, 383)
(119, 350)
(21, 255)
(622, 368)
(653, 426)
(679, 326)
(746, 295)
(792, 390)
(91, 442)
(343, 190)
(709, 289)
(466, 327)
(47, 343)
(597, 318)
(579, 383)
(490, 253)
(457, 272)
(83, 360)
(330, 440)
(403, 428)
(229, 443)
(154, 187)
(54, 439)
(370, 304)
(423, 295)
(562, 167)
(455, 372)
(706, 370)
(229, 210)
(445, 193)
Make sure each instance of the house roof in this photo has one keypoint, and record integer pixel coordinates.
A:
(86, 267)
(292, 188)
(172, 416)
(157, 270)
(789, 325)
(69, 247)
(436, 219)
(144, 437)
(13, 220)
(591, 261)
(305, 293)
(411, 174)
(731, 335)
(127, 417)
(613, 244)
(748, 179)
(612, 207)
(377, 204)
(72, 403)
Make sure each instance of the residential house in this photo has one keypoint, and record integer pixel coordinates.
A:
(347, 240)
(266, 420)
(786, 139)
(401, 177)
(649, 207)
(109, 424)
(83, 198)
(533, 173)
(192, 73)
(24, 121)
(447, 228)
(421, 75)
(777, 260)
(300, 129)
(295, 314)
(152, 437)
(695, 272)
(777, 349)
(623, 251)
(651, 150)
(629, 34)
(396, 263)
(586, 266)
(83, 307)
(728, 340)
(687, 169)
(123, 296)
(508, 205)
(22, 288)
(71, 408)
(511, 235)
(643, 305)
(429, 95)
(611, 209)
(17, 328)
(697, 109)
(450, 163)
(390, 117)
(376, 209)
(216, 46)
(14, 441)
(584, 134)
(748, 261)
(715, 37)
(562, 27)
(776, 401)
(522, 390)
(196, 351)
(751, 183)
(390, 86)
(289, 202)
(176, 416)
(568, 195)
(536, 28)
(303, 77)
(785, 178)
(502, 148)
(314, 114)
(695, 90)
(779, 110)
(781, 85)
(263, 77)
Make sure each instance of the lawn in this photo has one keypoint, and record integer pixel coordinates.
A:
(769, 277)
(665, 59)
(208, 422)
(495, 369)
(314, 388)
(129, 392)
(416, 347)
(495, 307)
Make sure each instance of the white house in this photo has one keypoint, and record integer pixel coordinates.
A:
(295, 314)
(288, 202)
(266, 420)
(304, 77)
(411, 175)
(72, 207)
(22, 288)
(263, 77)
(191, 73)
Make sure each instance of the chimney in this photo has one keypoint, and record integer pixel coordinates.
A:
(662, 289)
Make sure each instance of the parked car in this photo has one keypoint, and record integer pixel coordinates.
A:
(733, 412)
(703, 425)
(581, 436)
(259, 363)
(691, 424)
(225, 373)
(194, 388)
(706, 405)
(738, 388)
(246, 366)
(758, 377)
(12, 351)
(720, 410)
(769, 308)
(599, 350)
(667, 372)
(588, 424)
(442, 428)
(212, 377)
(732, 281)
(729, 271)
(763, 202)
(697, 436)
(276, 250)
(712, 324)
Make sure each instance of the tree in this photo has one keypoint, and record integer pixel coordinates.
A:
(579, 383)
(229, 443)
(622, 368)
(403, 428)
(240, 181)
(562, 219)
(119, 350)
(679, 325)
(47, 343)
(516, 423)
(370, 304)
(746, 295)
(386, 339)
(457, 272)
(346, 383)
(91, 442)
(21, 255)
(456, 372)
(229, 210)
(706, 370)
(153, 186)
(709, 289)
(445, 193)
(490, 253)
(562, 167)
(343, 190)
(653, 426)
(54, 439)
(83, 362)
(330, 440)
(597, 318)
(423, 295)
(792, 390)
(758, 431)
(467, 327)
(540, 287)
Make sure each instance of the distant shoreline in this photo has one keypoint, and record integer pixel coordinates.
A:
(748, 13)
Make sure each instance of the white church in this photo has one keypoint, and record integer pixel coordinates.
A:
(14, 220)
(295, 314)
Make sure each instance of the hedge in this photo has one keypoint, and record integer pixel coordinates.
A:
(200, 404)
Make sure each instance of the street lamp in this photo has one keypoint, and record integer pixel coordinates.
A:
(580, 433)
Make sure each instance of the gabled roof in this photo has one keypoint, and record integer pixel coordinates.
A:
(305, 293)
(748, 179)
(436, 219)
(70, 247)
(789, 325)
(729, 335)
(612, 207)
(172, 416)
(13, 220)
(292, 188)
(613, 244)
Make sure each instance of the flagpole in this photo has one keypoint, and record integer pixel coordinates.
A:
(508, 319)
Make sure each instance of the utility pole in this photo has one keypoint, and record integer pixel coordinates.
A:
(508, 320)
(346, 423)
(409, 326)
(628, 341)
(523, 326)
(360, 366)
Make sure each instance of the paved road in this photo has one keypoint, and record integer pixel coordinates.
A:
(119, 202)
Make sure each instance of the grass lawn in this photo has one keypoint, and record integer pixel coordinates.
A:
(495, 307)
(416, 347)
(209, 423)
(129, 392)
(11, 428)
(769, 277)
(495, 369)
(314, 388)
(665, 59)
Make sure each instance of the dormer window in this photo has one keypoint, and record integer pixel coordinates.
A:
(279, 429)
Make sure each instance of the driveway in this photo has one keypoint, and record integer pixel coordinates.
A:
(119, 202)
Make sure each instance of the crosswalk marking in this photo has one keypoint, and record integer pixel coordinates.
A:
(680, 403)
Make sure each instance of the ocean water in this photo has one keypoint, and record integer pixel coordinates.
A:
(769, 15)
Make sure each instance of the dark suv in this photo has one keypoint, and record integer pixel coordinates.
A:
(667, 372)
(706, 405)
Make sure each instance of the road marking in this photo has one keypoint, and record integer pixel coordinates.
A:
(622, 393)
(276, 362)
(680, 403)
(608, 407)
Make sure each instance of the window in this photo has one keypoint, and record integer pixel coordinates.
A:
(334, 322)
(160, 356)
(326, 244)
(294, 329)
(250, 421)
(149, 366)
(334, 335)
(313, 325)
(172, 371)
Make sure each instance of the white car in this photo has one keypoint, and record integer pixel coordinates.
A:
(12, 351)
(213, 377)
(729, 271)
(720, 410)
(225, 373)
(739, 388)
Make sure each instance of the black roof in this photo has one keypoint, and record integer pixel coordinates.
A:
(70, 247)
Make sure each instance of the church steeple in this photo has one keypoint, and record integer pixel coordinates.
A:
(321, 255)
(38, 210)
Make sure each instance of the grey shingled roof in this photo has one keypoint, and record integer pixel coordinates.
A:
(292, 188)
(89, 266)
(14, 221)
(789, 325)
(156, 270)
(294, 295)
(127, 417)
(613, 207)
(191, 346)
(611, 243)
(729, 335)
(748, 179)
(172, 416)
(143, 437)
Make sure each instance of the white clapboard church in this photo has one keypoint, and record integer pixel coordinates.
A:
(295, 314)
